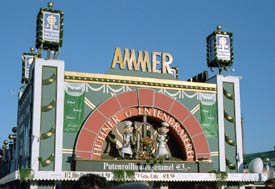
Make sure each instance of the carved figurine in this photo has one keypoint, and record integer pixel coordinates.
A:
(162, 140)
(127, 140)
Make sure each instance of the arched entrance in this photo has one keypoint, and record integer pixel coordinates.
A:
(141, 102)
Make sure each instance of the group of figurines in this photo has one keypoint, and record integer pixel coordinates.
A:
(146, 146)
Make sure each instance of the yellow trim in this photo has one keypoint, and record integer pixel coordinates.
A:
(67, 151)
(49, 106)
(194, 110)
(214, 153)
(48, 134)
(140, 81)
(48, 161)
(229, 164)
(227, 94)
(50, 80)
(228, 117)
(229, 141)
(89, 103)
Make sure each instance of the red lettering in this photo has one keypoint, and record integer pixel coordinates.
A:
(97, 151)
(140, 111)
(106, 130)
(101, 137)
(171, 121)
(165, 117)
(154, 112)
(128, 114)
(147, 111)
(175, 126)
(110, 124)
(115, 120)
(159, 114)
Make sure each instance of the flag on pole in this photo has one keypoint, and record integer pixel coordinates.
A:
(208, 111)
(73, 106)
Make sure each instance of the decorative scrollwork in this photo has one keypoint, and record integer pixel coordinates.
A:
(228, 117)
(229, 141)
(227, 94)
(48, 161)
(50, 80)
(229, 164)
(49, 106)
(48, 134)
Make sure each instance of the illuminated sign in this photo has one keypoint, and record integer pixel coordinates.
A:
(219, 49)
(51, 26)
(223, 47)
(160, 62)
(49, 30)
(27, 60)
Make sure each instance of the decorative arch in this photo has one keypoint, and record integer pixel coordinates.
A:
(120, 107)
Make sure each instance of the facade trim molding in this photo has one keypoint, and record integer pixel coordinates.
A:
(140, 176)
(37, 91)
(237, 121)
(139, 82)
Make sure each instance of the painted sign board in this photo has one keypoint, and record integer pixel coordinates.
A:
(223, 47)
(27, 60)
(49, 30)
(219, 49)
(51, 27)
(142, 166)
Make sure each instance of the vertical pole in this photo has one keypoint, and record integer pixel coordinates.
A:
(238, 125)
(48, 54)
(54, 54)
(143, 126)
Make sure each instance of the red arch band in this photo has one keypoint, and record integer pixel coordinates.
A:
(139, 102)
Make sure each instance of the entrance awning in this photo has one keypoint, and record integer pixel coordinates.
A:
(140, 176)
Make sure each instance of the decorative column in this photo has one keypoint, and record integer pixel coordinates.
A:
(48, 108)
(230, 128)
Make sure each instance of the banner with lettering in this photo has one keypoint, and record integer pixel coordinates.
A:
(208, 111)
(73, 106)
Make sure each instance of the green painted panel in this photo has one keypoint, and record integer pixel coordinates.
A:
(48, 117)
(73, 107)
(229, 124)
(67, 162)
(95, 94)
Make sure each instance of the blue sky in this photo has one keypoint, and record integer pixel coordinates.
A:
(93, 29)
